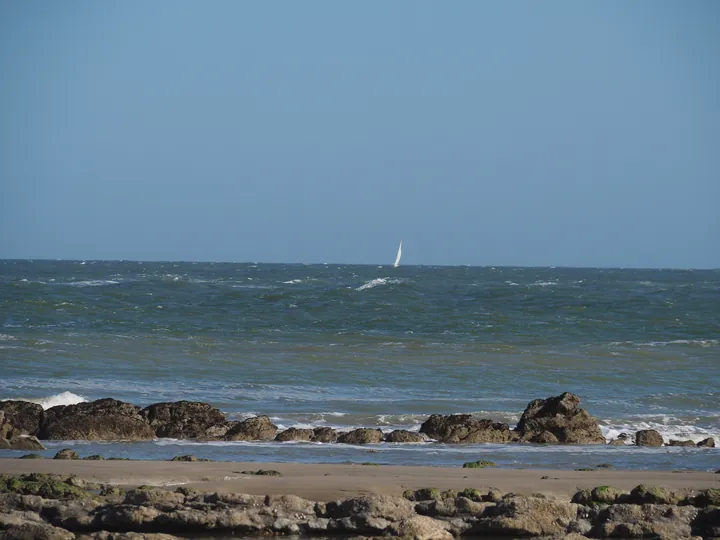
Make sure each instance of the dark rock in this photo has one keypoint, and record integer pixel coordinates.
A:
(361, 436)
(66, 453)
(295, 434)
(184, 419)
(707, 497)
(707, 443)
(156, 498)
(189, 458)
(479, 464)
(404, 436)
(463, 428)
(262, 472)
(21, 442)
(94, 457)
(707, 523)
(561, 417)
(324, 435)
(648, 437)
(644, 521)
(674, 442)
(101, 420)
(258, 428)
(35, 531)
(32, 456)
(20, 418)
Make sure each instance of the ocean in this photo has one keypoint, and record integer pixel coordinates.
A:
(371, 346)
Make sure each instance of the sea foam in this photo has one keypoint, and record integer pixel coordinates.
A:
(64, 398)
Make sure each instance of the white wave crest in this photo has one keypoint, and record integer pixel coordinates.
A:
(91, 283)
(64, 398)
(293, 281)
(379, 281)
(543, 283)
(7, 337)
(669, 427)
(705, 343)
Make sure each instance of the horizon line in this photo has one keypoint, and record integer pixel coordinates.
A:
(390, 264)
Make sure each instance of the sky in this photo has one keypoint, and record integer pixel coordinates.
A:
(556, 133)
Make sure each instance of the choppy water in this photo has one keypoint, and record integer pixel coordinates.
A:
(351, 346)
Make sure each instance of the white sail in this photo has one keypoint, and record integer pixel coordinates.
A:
(397, 259)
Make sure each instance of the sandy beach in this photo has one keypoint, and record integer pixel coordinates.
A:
(328, 482)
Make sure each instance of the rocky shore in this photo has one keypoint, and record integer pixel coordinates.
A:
(554, 420)
(47, 506)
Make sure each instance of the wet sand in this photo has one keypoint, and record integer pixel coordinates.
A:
(328, 482)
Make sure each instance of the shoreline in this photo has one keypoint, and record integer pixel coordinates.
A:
(333, 481)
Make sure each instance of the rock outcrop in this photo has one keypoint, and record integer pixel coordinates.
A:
(101, 420)
(53, 506)
(648, 437)
(361, 436)
(295, 434)
(258, 428)
(559, 419)
(706, 443)
(185, 420)
(404, 436)
(20, 418)
(463, 428)
(324, 435)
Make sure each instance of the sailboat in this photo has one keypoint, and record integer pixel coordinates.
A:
(399, 254)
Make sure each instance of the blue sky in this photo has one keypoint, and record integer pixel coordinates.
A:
(486, 133)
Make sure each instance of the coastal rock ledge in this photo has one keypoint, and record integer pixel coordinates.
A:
(66, 507)
(554, 420)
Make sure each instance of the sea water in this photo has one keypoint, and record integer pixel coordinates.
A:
(351, 346)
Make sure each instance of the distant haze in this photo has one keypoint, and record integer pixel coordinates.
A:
(484, 133)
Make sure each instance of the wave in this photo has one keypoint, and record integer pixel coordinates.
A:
(669, 427)
(64, 398)
(380, 281)
(91, 283)
(705, 343)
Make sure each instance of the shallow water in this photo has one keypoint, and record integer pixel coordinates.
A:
(352, 346)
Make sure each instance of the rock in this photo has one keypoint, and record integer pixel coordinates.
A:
(21, 442)
(648, 437)
(104, 535)
(35, 531)
(644, 494)
(295, 434)
(94, 457)
(644, 521)
(422, 494)
(674, 442)
(66, 453)
(605, 495)
(189, 458)
(707, 523)
(372, 506)
(361, 436)
(561, 417)
(32, 456)
(421, 528)
(324, 435)
(258, 428)
(184, 419)
(49, 486)
(707, 443)
(463, 428)
(479, 464)
(157, 498)
(262, 472)
(707, 497)
(529, 516)
(101, 420)
(20, 417)
(404, 436)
